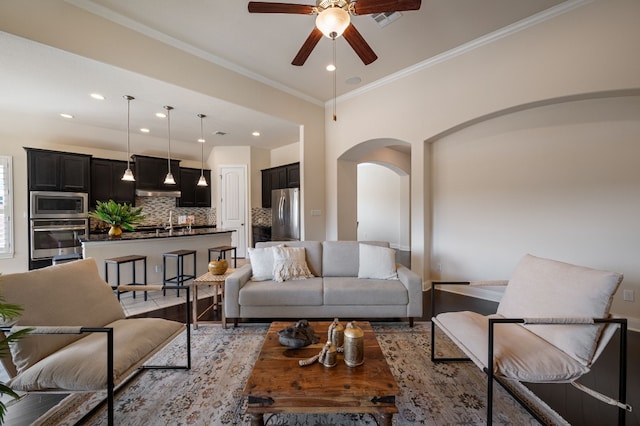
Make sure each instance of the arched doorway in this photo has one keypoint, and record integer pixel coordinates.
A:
(381, 159)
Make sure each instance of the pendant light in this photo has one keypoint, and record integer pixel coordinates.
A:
(169, 180)
(202, 181)
(128, 174)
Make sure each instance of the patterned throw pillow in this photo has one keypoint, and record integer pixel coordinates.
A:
(289, 263)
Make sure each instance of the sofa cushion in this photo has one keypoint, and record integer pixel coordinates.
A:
(289, 264)
(578, 292)
(271, 293)
(342, 258)
(261, 263)
(357, 291)
(313, 252)
(42, 292)
(518, 353)
(377, 262)
(82, 366)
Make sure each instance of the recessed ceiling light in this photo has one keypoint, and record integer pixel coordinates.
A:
(331, 67)
(353, 80)
(97, 96)
(256, 133)
(201, 140)
(64, 115)
(144, 130)
(161, 115)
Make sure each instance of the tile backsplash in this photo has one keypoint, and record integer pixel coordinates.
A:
(260, 216)
(156, 211)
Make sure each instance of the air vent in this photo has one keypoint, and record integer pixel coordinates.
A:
(384, 19)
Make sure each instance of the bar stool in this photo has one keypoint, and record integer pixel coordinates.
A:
(180, 277)
(222, 250)
(126, 259)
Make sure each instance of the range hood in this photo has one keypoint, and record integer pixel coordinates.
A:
(157, 193)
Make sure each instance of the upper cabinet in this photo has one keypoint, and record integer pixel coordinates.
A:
(287, 176)
(151, 171)
(192, 194)
(57, 171)
(107, 183)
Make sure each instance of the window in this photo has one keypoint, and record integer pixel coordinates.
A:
(6, 208)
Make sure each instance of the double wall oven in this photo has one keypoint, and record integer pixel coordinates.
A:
(57, 221)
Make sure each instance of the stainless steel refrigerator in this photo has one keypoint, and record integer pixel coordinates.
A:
(285, 214)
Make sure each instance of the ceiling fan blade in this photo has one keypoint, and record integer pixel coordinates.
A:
(363, 7)
(359, 45)
(307, 47)
(268, 7)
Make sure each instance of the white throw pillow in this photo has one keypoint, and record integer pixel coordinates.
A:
(261, 263)
(289, 263)
(377, 263)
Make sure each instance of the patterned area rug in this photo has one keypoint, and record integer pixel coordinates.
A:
(211, 392)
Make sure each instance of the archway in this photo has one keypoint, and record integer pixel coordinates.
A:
(389, 156)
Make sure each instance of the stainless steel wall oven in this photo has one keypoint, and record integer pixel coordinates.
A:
(57, 221)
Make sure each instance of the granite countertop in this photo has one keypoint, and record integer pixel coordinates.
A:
(143, 235)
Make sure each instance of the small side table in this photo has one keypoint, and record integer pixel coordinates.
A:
(218, 282)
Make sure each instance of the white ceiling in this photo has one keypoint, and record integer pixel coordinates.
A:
(39, 82)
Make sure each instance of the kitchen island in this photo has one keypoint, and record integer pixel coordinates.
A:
(153, 244)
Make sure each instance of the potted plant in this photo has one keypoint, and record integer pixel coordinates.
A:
(117, 215)
(7, 313)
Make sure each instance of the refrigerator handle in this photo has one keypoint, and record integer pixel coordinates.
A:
(281, 208)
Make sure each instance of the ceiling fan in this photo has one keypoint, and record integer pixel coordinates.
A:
(334, 19)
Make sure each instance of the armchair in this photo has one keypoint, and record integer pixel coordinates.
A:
(551, 325)
(81, 340)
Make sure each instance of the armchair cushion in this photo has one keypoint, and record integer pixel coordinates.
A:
(77, 367)
(80, 298)
(544, 288)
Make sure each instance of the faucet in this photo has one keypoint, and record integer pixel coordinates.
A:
(170, 227)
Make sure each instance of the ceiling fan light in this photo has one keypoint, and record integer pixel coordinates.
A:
(128, 176)
(333, 21)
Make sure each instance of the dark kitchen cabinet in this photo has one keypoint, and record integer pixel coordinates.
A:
(287, 176)
(57, 171)
(151, 171)
(193, 195)
(260, 234)
(107, 183)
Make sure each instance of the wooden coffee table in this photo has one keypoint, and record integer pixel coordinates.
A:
(279, 385)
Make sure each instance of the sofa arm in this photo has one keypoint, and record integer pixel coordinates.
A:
(232, 285)
(413, 283)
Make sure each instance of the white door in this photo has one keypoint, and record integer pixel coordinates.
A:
(233, 205)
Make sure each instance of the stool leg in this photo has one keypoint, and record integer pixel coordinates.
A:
(133, 276)
(235, 258)
(118, 280)
(179, 273)
(164, 274)
(144, 274)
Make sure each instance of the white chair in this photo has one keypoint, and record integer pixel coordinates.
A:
(551, 325)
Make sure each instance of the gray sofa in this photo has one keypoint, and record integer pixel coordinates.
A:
(334, 290)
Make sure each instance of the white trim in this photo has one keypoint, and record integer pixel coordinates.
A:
(119, 19)
(8, 209)
(467, 47)
(96, 9)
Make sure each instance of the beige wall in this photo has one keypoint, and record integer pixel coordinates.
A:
(586, 52)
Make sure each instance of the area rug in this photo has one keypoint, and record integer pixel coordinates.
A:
(211, 392)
